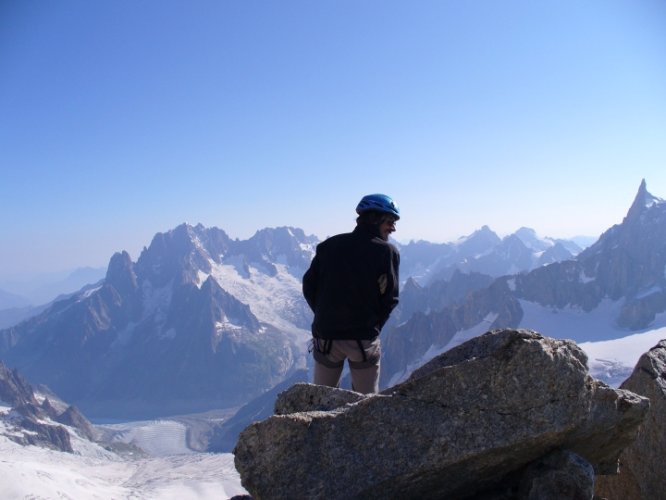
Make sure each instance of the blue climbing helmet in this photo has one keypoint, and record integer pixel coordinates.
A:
(378, 202)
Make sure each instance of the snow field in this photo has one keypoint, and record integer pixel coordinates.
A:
(174, 472)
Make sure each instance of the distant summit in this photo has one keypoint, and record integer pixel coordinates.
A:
(43, 288)
(625, 266)
(643, 201)
(483, 252)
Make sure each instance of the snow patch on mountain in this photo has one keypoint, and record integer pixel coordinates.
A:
(271, 298)
(611, 361)
(648, 291)
(226, 326)
(572, 322)
(92, 472)
(156, 437)
(155, 303)
(614, 360)
(612, 354)
(90, 291)
(650, 200)
(584, 278)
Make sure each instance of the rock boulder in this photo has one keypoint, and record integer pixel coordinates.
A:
(473, 420)
(641, 463)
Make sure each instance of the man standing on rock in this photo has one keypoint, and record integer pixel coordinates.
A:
(352, 287)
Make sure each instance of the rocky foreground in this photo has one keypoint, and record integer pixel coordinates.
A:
(642, 462)
(509, 414)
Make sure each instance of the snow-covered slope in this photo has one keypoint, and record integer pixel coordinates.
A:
(275, 299)
(614, 360)
(92, 472)
(49, 450)
(612, 351)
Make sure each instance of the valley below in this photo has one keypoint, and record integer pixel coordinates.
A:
(153, 459)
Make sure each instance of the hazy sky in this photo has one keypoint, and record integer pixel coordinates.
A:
(121, 119)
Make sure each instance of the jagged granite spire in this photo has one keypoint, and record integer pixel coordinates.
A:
(642, 201)
(120, 273)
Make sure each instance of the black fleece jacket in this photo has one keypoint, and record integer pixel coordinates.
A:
(352, 285)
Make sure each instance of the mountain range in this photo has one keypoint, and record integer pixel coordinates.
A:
(613, 288)
(34, 294)
(174, 332)
(483, 252)
(38, 289)
(204, 321)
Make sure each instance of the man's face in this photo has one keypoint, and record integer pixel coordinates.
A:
(386, 227)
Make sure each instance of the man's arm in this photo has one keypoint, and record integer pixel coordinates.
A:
(310, 283)
(389, 283)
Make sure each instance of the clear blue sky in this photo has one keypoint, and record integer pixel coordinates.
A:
(120, 119)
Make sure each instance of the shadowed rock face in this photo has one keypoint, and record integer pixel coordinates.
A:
(641, 463)
(470, 421)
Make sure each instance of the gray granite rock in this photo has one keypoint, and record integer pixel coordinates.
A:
(642, 462)
(458, 427)
(561, 474)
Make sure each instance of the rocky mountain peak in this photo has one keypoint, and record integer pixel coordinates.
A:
(479, 241)
(281, 245)
(626, 263)
(531, 240)
(177, 254)
(282, 239)
(73, 418)
(120, 273)
(630, 257)
(642, 202)
(186, 250)
(411, 285)
(557, 253)
(513, 241)
(182, 317)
